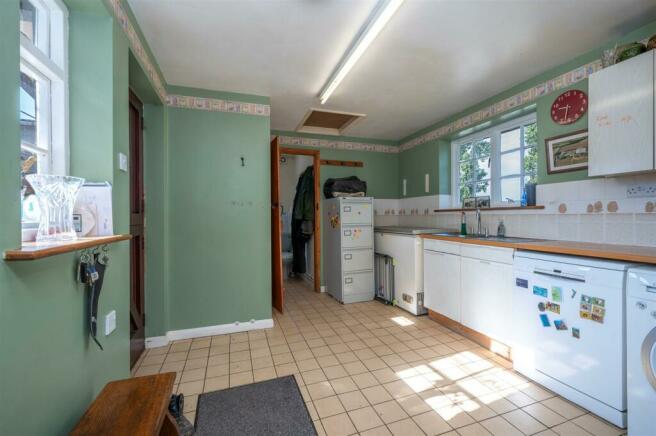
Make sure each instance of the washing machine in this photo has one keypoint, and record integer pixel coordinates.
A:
(641, 351)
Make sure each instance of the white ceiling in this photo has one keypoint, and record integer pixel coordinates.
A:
(433, 59)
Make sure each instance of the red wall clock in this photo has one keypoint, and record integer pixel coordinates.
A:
(569, 107)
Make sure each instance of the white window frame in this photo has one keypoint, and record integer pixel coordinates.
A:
(47, 61)
(494, 133)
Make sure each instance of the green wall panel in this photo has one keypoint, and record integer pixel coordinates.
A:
(220, 244)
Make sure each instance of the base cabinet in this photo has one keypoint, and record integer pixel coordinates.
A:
(442, 283)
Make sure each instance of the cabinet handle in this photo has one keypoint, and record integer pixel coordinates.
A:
(347, 233)
(348, 256)
(347, 208)
(348, 280)
(485, 262)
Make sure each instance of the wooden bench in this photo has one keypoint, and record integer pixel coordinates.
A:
(135, 406)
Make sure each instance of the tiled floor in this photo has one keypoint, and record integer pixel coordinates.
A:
(372, 369)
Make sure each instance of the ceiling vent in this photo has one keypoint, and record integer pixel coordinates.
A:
(327, 122)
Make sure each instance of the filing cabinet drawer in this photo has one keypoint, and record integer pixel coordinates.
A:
(358, 260)
(356, 213)
(357, 237)
(359, 283)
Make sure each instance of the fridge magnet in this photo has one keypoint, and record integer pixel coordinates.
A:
(542, 292)
(573, 294)
(560, 324)
(521, 283)
(585, 315)
(598, 301)
(592, 308)
(553, 307)
(334, 221)
(545, 320)
(557, 294)
(541, 306)
(576, 333)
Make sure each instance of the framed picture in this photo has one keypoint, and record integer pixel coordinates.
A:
(567, 152)
(469, 203)
(483, 202)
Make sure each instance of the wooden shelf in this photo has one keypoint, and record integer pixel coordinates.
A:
(485, 209)
(33, 251)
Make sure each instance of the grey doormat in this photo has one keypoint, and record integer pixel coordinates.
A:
(271, 407)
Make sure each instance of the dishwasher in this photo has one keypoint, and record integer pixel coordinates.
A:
(569, 329)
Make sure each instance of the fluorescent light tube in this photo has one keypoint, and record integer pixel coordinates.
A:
(378, 19)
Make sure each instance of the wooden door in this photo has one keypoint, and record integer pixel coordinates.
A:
(137, 309)
(277, 291)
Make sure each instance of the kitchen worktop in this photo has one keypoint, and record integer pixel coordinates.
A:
(405, 230)
(626, 253)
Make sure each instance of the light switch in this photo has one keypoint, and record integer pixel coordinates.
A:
(123, 162)
(427, 183)
(110, 322)
(405, 187)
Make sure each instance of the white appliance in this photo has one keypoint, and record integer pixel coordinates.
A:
(348, 235)
(641, 350)
(569, 329)
(406, 247)
(92, 213)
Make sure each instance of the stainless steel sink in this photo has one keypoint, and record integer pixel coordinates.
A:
(509, 239)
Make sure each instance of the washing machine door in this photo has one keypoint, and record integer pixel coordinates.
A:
(648, 357)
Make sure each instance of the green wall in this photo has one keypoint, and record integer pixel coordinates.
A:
(50, 369)
(434, 156)
(219, 265)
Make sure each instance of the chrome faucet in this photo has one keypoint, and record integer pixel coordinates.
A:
(478, 221)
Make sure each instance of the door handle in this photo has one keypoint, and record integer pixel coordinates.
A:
(559, 276)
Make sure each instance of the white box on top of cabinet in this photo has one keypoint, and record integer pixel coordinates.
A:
(621, 121)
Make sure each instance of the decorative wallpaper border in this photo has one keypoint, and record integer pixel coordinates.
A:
(519, 99)
(337, 145)
(179, 101)
(218, 105)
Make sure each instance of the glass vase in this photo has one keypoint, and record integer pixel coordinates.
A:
(56, 196)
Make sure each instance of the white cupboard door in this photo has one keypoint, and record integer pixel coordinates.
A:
(442, 283)
(486, 297)
(621, 120)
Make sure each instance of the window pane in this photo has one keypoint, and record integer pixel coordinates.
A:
(483, 147)
(465, 152)
(28, 20)
(28, 110)
(510, 189)
(482, 168)
(531, 160)
(530, 135)
(466, 171)
(510, 163)
(510, 140)
(483, 188)
(466, 191)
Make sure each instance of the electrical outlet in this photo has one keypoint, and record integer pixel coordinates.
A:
(123, 162)
(110, 322)
(638, 191)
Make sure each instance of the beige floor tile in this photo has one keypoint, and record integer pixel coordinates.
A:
(328, 361)
(219, 359)
(406, 427)
(192, 375)
(239, 346)
(432, 423)
(320, 390)
(399, 389)
(455, 416)
(286, 369)
(536, 392)
(191, 388)
(178, 347)
(353, 400)
(564, 408)
(313, 376)
(570, 429)
(190, 403)
(543, 414)
(390, 411)
(280, 359)
(344, 384)
(523, 421)
(191, 416)
(414, 405)
(378, 431)
(338, 425)
(475, 429)
(259, 352)
(500, 427)
(354, 368)
(200, 352)
(365, 380)
(328, 406)
(385, 375)
(547, 432)
(307, 365)
(216, 383)
(596, 426)
(264, 374)
(172, 367)
(147, 370)
(241, 378)
(175, 357)
(262, 362)
(312, 411)
(365, 419)
(151, 360)
(240, 366)
(217, 370)
(238, 356)
(302, 355)
(376, 394)
(333, 372)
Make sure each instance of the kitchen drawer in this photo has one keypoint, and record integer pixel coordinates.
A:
(357, 213)
(442, 246)
(357, 237)
(358, 260)
(359, 283)
(488, 253)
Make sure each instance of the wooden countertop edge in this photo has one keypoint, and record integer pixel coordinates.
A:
(32, 251)
(600, 251)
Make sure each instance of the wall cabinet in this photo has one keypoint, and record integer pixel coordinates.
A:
(470, 284)
(621, 120)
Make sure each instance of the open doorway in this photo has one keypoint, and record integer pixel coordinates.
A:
(296, 232)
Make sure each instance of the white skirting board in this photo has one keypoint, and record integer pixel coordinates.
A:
(213, 330)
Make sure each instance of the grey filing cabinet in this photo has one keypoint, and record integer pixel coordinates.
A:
(348, 228)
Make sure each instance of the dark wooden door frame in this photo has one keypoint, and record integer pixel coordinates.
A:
(277, 290)
(137, 245)
(316, 163)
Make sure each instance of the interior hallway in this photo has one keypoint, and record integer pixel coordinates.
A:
(372, 369)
